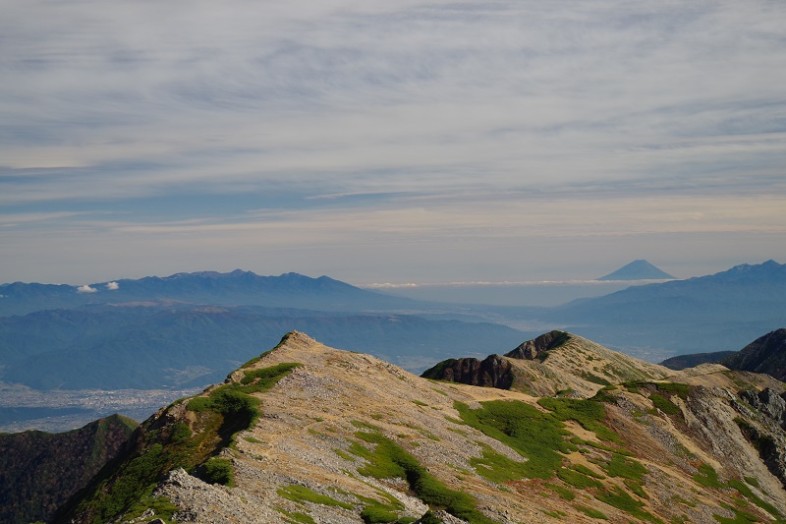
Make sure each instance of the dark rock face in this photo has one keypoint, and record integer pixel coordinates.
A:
(40, 471)
(769, 403)
(493, 371)
(537, 348)
(768, 435)
(766, 354)
(696, 359)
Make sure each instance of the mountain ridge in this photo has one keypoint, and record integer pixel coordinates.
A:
(237, 287)
(316, 434)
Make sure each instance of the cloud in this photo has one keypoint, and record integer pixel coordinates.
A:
(112, 286)
(419, 118)
(86, 289)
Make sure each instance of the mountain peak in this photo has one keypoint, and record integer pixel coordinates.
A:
(766, 354)
(638, 270)
(532, 349)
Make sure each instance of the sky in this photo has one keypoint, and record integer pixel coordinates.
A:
(390, 142)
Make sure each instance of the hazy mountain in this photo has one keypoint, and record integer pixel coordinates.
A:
(176, 346)
(290, 290)
(306, 433)
(40, 471)
(704, 314)
(637, 270)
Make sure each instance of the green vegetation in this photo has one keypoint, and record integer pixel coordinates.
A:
(161, 506)
(592, 513)
(563, 492)
(707, 477)
(589, 414)
(217, 470)
(302, 494)
(226, 410)
(584, 469)
(346, 456)
(590, 377)
(621, 500)
(374, 514)
(674, 388)
(664, 404)
(263, 379)
(389, 460)
(297, 518)
(753, 481)
(661, 394)
(537, 436)
(740, 517)
(577, 480)
(497, 467)
(629, 469)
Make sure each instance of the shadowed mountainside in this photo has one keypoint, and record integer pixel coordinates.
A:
(766, 354)
(40, 471)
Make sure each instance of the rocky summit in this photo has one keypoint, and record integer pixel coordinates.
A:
(310, 434)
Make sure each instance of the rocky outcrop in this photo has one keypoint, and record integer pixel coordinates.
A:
(767, 433)
(494, 371)
(766, 354)
(537, 347)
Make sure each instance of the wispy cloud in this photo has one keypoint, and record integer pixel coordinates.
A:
(314, 120)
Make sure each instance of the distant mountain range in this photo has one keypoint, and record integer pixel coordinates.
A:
(289, 290)
(637, 270)
(723, 311)
(190, 329)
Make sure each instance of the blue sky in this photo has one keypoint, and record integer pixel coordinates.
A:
(409, 141)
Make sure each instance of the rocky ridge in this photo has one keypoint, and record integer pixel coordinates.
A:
(344, 437)
(554, 362)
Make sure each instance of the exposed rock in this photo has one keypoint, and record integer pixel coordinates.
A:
(537, 348)
(766, 433)
(769, 403)
(494, 371)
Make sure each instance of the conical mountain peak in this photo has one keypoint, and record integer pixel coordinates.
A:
(637, 270)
